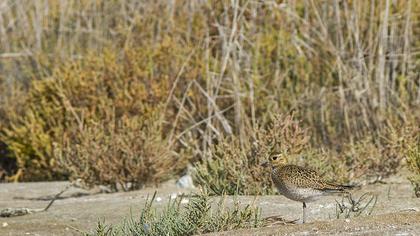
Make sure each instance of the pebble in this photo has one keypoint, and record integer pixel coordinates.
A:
(184, 201)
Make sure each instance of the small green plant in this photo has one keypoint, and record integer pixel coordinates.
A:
(197, 217)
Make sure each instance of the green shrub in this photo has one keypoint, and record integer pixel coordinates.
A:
(234, 169)
(127, 153)
(80, 99)
(197, 217)
(413, 159)
(231, 170)
(12, 98)
(364, 160)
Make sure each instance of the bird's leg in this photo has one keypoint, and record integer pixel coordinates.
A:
(304, 213)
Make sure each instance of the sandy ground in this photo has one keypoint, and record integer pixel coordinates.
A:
(397, 211)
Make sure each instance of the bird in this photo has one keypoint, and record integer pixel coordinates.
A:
(298, 183)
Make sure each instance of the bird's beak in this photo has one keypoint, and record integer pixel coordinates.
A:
(264, 164)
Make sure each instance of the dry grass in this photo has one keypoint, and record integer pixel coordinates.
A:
(347, 69)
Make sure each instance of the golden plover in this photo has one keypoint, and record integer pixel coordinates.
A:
(298, 183)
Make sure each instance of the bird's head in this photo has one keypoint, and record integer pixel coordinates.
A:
(275, 159)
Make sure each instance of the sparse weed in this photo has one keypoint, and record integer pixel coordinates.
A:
(350, 207)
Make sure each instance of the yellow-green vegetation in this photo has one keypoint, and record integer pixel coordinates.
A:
(413, 158)
(196, 217)
(126, 93)
(235, 168)
(94, 120)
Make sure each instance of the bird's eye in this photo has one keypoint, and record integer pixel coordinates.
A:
(274, 158)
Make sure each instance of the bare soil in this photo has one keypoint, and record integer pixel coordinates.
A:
(397, 211)
(386, 224)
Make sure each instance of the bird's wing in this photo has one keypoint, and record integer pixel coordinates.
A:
(308, 178)
(303, 177)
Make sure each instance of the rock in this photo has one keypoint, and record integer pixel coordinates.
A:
(185, 182)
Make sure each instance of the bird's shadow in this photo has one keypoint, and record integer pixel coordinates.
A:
(278, 220)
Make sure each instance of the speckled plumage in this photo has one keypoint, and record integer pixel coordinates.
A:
(299, 183)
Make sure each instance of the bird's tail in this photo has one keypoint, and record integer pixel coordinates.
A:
(336, 188)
